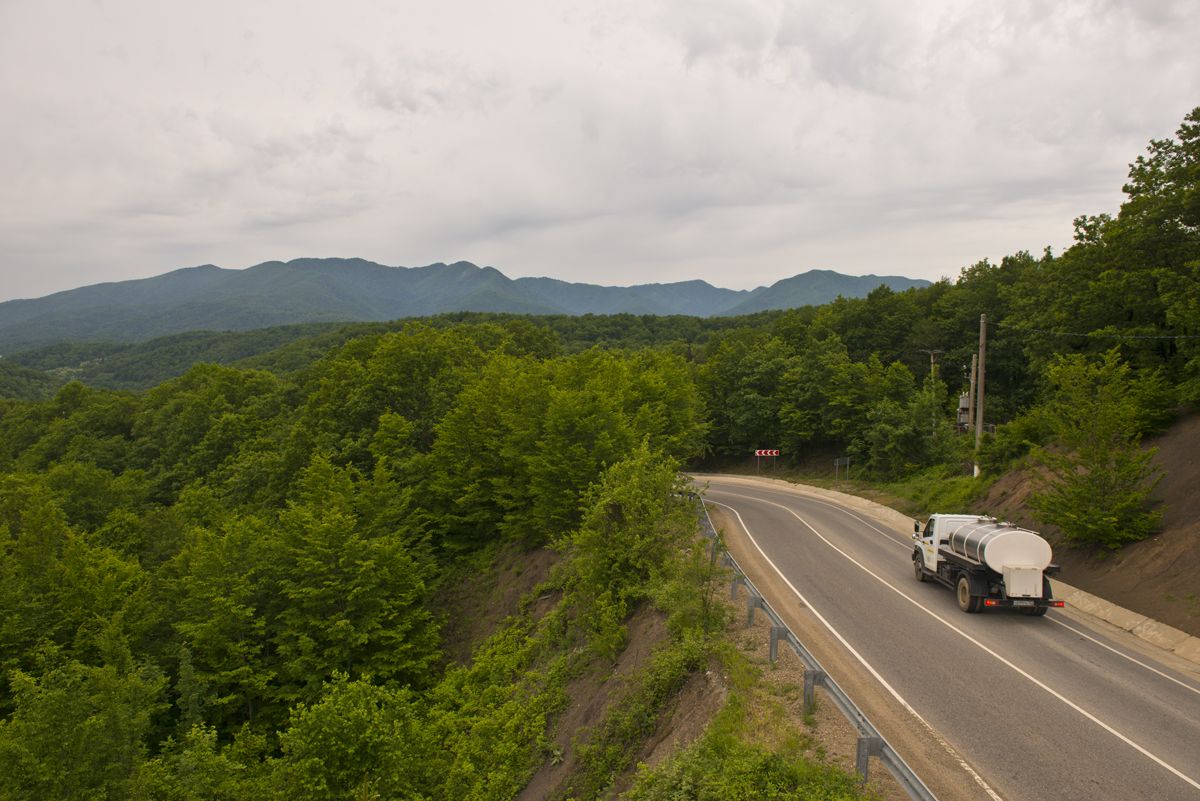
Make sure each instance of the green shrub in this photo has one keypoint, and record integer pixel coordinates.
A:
(1096, 481)
(719, 768)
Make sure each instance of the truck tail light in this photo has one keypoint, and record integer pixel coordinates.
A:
(1058, 603)
(990, 602)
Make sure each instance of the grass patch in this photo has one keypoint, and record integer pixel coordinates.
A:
(734, 761)
(937, 489)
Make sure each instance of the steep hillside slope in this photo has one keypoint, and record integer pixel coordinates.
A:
(743, 691)
(1158, 577)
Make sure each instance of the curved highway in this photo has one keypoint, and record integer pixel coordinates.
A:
(1030, 708)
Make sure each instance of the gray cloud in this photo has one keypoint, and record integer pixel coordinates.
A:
(739, 142)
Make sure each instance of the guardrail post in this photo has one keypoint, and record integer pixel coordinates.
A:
(752, 602)
(733, 586)
(867, 747)
(776, 633)
(811, 679)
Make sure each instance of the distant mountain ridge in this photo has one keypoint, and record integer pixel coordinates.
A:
(323, 290)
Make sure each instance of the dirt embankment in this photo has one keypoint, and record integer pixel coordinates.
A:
(1158, 577)
(594, 694)
(479, 605)
(773, 701)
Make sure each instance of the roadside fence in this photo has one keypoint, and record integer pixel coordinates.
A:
(870, 742)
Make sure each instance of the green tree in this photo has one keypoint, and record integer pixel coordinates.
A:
(217, 589)
(344, 601)
(358, 741)
(636, 523)
(198, 768)
(195, 424)
(1159, 224)
(1120, 281)
(56, 587)
(416, 373)
(584, 430)
(741, 380)
(477, 485)
(82, 424)
(1181, 296)
(1097, 479)
(78, 732)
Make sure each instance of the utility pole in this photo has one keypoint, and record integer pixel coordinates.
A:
(933, 354)
(971, 393)
(979, 397)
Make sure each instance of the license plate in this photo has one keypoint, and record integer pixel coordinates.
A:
(1022, 603)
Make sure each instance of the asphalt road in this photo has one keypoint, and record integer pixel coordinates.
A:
(1052, 708)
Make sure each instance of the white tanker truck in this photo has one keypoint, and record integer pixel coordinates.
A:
(986, 562)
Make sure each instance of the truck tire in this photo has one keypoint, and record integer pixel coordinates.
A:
(1034, 611)
(918, 568)
(966, 601)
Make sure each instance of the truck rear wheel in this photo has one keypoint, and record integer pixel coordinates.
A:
(966, 601)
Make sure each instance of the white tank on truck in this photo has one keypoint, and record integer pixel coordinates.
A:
(986, 562)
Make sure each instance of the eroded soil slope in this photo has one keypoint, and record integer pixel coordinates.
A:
(1159, 577)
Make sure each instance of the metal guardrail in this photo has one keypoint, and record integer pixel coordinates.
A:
(870, 742)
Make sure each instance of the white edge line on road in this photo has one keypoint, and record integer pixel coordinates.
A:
(1150, 668)
(906, 546)
(1140, 749)
(899, 698)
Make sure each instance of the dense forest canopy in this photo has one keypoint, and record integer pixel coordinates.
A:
(225, 586)
(223, 557)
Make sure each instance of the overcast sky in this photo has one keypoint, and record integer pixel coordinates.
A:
(610, 142)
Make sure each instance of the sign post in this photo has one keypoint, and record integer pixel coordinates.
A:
(758, 454)
(841, 461)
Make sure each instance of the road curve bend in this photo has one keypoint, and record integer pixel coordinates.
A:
(987, 706)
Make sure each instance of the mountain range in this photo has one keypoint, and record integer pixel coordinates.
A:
(319, 290)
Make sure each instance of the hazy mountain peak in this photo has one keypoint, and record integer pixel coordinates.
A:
(208, 297)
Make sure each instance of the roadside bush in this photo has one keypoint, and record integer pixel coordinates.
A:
(1097, 479)
(939, 488)
(719, 768)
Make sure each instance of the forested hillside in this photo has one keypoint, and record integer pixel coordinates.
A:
(23, 383)
(226, 586)
(284, 349)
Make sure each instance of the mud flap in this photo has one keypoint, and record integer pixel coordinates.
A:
(978, 584)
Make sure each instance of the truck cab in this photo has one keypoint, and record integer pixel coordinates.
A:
(933, 537)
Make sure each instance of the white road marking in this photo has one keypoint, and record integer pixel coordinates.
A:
(1150, 668)
(815, 499)
(870, 669)
(1139, 748)
(907, 546)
